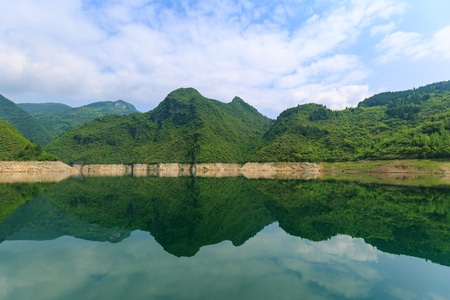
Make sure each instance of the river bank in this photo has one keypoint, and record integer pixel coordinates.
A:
(34, 171)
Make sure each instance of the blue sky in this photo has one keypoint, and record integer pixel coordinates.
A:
(273, 54)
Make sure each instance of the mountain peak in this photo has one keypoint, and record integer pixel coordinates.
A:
(184, 94)
(124, 106)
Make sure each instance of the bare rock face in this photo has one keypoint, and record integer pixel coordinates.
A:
(248, 170)
(293, 170)
(35, 171)
(36, 167)
(106, 170)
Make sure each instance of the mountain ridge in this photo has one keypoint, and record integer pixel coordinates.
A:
(184, 127)
(187, 127)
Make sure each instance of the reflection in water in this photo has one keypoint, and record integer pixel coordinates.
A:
(335, 231)
(271, 265)
(38, 220)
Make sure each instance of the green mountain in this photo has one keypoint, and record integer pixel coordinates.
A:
(36, 109)
(14, 146)
(185, 127)
(26, 124)
(395, 125)
(59, 118)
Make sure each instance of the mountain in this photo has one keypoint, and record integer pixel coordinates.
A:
(394, 125)
(14, 146)
(184, 127)
(58, 118)
(26, 124)
(35, 109)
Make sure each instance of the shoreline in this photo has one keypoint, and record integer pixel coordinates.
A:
(39, 171)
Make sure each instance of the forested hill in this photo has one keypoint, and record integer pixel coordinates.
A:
(36, 109)
(393, 125)
(14, 146)
(409, 97)
(184, 127)
(187, 127)
(20, 119)
(57, 119)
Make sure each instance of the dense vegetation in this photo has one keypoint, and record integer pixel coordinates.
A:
(185, 127)
(14, 146)
(184, 214)
(24, 139)
(26, 124)
(58, 119)
(409, 124)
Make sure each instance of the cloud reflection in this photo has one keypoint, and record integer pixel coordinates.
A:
(272, 265)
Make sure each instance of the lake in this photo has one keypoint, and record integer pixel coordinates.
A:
(223, 238)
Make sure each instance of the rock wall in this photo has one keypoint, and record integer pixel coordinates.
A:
(248, 170)
(35, 171)
(36, 167)
(106, 170)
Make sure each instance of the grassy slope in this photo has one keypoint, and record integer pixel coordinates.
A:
(11, 141)
(20, 119)
(14, 146)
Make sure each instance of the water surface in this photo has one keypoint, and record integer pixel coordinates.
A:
(222, 238)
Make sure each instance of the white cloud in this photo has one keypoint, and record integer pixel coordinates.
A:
(269, 53)
(441, 43)
(382, 29)
(402, 44)
(415, 46)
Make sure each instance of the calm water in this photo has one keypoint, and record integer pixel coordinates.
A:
(223, 238)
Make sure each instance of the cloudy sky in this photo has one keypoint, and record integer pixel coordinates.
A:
(274, 54)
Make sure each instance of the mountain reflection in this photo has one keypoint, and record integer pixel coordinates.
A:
(184, 214)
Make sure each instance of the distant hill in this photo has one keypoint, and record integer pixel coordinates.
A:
(26, 124)
(393, 125)
(67, 118)
(185, 127)
(35, 109)
(14, 146)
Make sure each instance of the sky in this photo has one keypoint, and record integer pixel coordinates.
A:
(273, 54)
